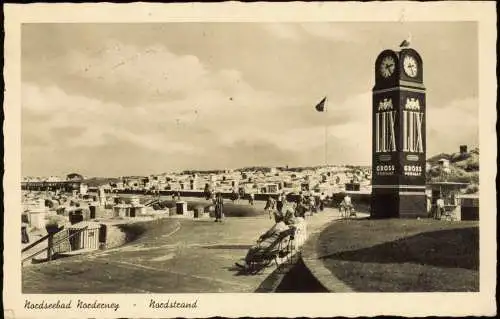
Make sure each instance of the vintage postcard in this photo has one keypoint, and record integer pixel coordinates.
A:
(284, 160)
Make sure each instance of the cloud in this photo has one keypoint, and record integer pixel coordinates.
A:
(452, 125)
(137, 73)
(298, 32)
(329, 31)
(175, 106)
(284, 31)
(222, 115)
(177, 101)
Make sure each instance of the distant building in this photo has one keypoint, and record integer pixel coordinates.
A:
(305, 187)
(74, 177)
(272, 188)
(84, 189)
(135, 182)
(54, 179)
(352, 186)
(463, 149)
(445, 164)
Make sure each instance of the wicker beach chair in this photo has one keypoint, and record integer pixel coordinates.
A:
(278, 250)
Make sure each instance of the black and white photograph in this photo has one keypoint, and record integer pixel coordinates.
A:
(182, 159)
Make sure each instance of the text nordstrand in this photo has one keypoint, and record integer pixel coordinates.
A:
(172, 304)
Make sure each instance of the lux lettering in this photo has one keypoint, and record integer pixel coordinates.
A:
(384, 127)
(412, 131)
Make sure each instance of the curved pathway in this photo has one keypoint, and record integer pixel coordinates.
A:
(176, 256)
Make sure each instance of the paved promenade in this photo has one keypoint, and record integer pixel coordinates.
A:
(173, 256)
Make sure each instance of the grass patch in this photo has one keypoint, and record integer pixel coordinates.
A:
(402, 255)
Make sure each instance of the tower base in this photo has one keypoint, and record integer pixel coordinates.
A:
(398, 203)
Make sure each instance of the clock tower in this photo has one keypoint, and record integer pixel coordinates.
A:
(398, 139)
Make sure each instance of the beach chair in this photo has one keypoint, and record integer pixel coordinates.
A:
(276, 252)
(299, 236)
(343, 210)
(347, 212)
(352, 212)
(448, 215)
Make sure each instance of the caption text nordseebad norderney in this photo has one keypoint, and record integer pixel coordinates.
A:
(80, 304)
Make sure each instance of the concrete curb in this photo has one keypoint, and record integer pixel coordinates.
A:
(273, 280)
(316, 266)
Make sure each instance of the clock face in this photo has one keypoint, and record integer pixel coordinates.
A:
(410, 66)
(387, 66)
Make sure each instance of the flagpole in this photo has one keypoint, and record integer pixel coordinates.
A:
(323, 107)
(326, 145)
(326, 138)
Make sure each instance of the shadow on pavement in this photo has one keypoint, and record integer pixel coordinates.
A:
(239, 271)
(296, 279)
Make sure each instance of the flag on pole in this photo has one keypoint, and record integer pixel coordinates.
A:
(321, 106)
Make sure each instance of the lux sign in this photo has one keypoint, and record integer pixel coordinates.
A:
(412, 132)
(385, 140)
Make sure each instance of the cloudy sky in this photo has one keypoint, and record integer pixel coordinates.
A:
(122, 99)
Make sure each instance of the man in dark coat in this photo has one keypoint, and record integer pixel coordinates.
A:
(24, 233)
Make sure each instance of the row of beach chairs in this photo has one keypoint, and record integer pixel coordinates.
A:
(283, 251)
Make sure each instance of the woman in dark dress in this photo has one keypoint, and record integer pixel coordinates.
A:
(219, 207)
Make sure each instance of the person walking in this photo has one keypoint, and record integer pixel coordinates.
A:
(24, 233)
(322, 199)
(270, 205)
(279, 203)
(439, 207)
(219, 207)
(251, 198)
(300, 199)
(317, 202)
(234, 196)
(207, 192)
(312, 204)
(213, 198)
(346, 205)
(300, 204)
